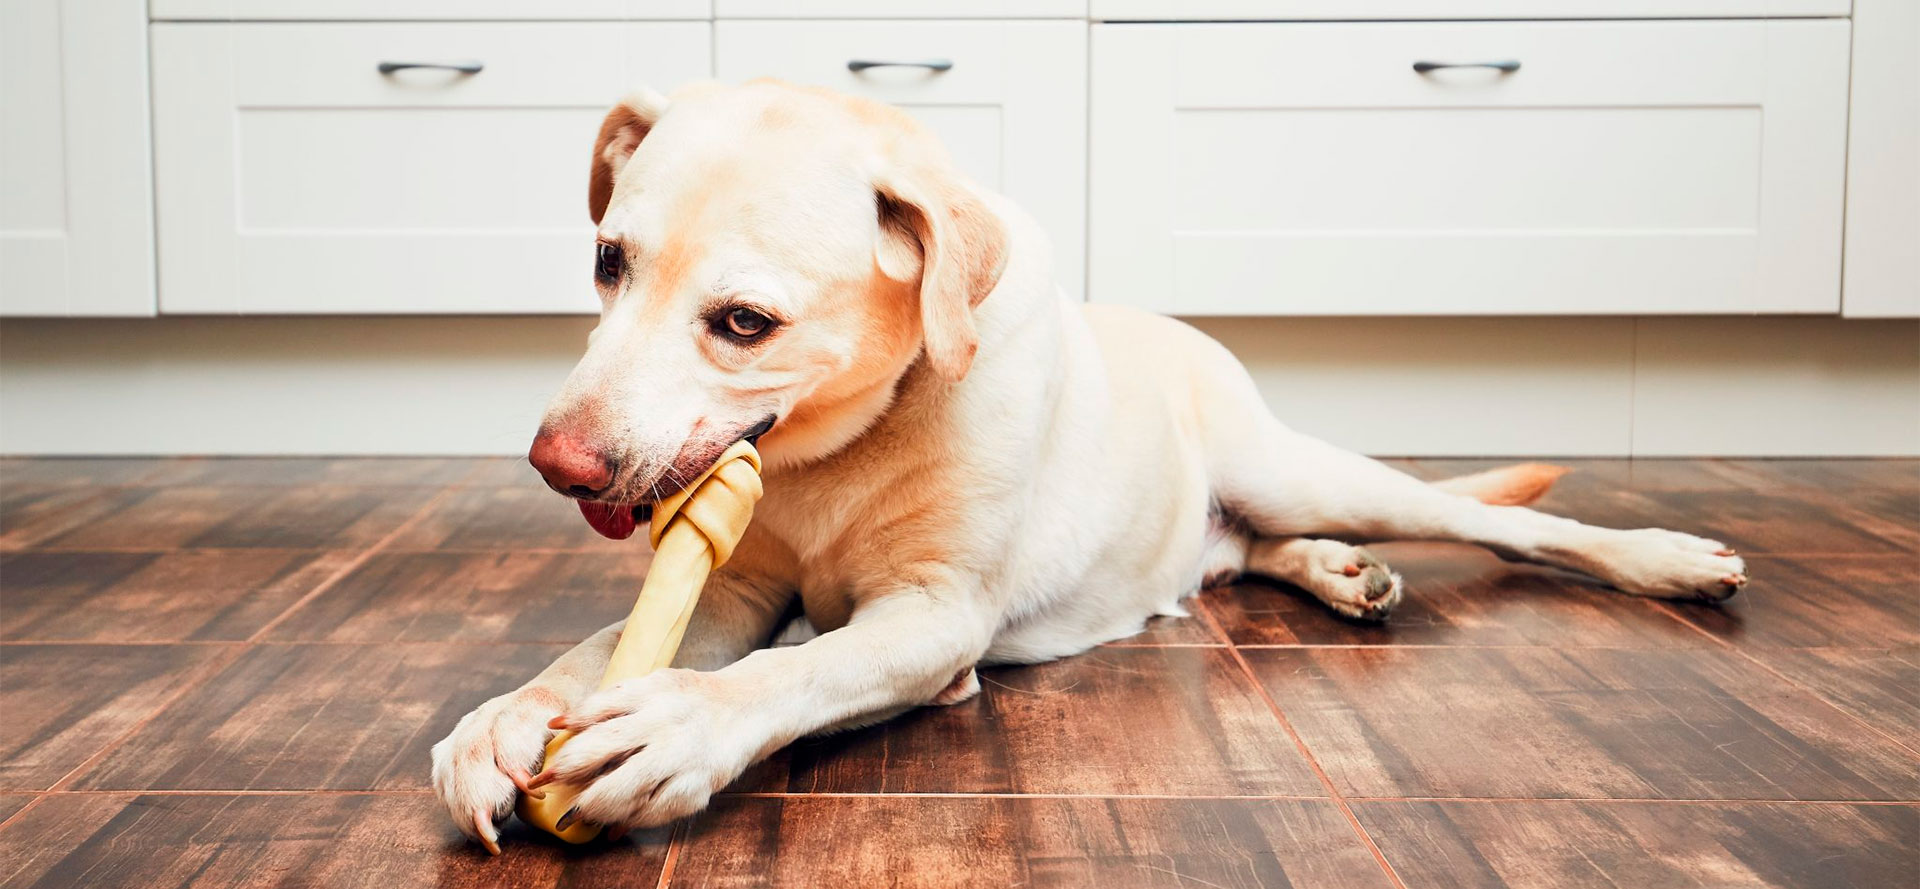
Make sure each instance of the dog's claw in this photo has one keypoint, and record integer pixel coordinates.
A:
(483, 826)
(519, 778)
(566, 820)
(1351, 571)
(540, 780)
(1726, 552)
(1734, 580)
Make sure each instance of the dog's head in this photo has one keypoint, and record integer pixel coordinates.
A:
(771, 260)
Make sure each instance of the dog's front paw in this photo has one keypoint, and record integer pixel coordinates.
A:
(1671, 565)
(653, 749)
(480, 768)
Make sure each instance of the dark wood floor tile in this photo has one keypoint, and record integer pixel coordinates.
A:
(400, 474)
(64, 703)
(473, 597)
(505, 472)
(1750, 521)
(1457, 595)
(1895, 507)
(1549, 845)
(523, 517)
(290, 518)
(11, 803)
(1591, 723)
(317, 717)
(1855, 602)
(1836, 475)
(1880, 688)
(84, 471)
(30, 513)
(1181, 721)
(217, 841)
(973, 842)
(189, 595)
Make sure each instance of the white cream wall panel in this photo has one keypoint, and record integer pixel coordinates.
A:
(1625, 168)
(294, 177)
(1011, 109)
(426, 10)
(1883, 163)
(1390, 386)
(76, 212)
(1351, 10)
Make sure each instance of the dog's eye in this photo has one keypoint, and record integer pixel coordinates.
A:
(609, 264)
(745, 324)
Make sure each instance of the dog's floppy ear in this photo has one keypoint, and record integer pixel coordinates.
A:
(934, 228)
(620, 134)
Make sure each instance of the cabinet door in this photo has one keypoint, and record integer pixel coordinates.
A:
(76, 195)
(295, 177)
(1011, 108)
(1623, 168)
(1883, 163)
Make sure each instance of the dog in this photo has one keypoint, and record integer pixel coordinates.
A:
(962, 466)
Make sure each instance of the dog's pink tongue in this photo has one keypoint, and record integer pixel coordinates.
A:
(613, 520)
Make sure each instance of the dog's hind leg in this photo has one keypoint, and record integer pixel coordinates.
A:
(1282, 484)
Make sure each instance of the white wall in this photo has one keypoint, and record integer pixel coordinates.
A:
(1436, 386)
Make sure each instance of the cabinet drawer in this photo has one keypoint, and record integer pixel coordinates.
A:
(424, 10)
(1631, 167)
(1011, 109)
(294, 177)
(1355, 10)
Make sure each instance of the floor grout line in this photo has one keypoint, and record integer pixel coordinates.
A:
(675, 842)
(1633, 801)
(1332, 790)
(249, 641)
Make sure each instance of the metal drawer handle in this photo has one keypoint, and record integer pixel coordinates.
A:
(462, 67)
(1507, 67)
(934, 65)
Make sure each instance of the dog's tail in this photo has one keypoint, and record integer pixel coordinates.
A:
(1506, 486)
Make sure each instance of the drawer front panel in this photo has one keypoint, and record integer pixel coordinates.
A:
(900, 9)
(1011, 109)
(308, 182)
(1406, 10)
(425, 10)
(1649, 167)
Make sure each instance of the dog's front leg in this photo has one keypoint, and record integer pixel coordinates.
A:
(486, 761)
(656, 748)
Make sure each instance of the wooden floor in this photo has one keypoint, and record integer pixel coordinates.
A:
(229, 672)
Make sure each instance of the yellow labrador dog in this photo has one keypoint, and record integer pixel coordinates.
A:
(963, 466)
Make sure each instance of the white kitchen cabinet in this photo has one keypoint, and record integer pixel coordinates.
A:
(900, 9)
(1883, 164)
(427, 10)
(1623, 168)
(1010, 104)
(1355, 10)
(76, 206)
(295, 177)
